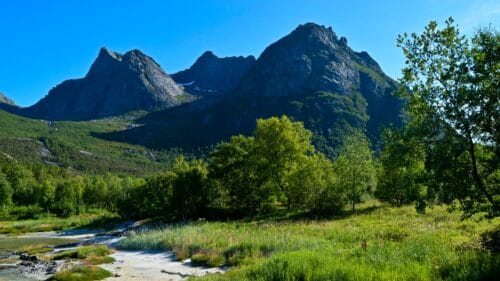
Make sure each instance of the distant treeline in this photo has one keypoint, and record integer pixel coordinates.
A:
(277, 167)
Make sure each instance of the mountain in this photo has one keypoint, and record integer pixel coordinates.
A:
(115, 84)
(313, 59)
(8, 104)
(71, 144)
(310, 75)
(211, 75)
(5, 100)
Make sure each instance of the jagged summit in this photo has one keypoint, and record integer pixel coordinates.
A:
(207, 55)
(314, 32)
(211, 75)
(115, 84)
(309, 59)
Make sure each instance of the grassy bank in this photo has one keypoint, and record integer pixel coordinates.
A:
(381, 244)
(52, 223)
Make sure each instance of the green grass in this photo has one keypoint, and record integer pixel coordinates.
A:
(372, 73)
(84, 253)
(401, 245)
(75, 144)
(51, 223)
(82, 273)
(36, 249)
(27, 244)
(95, 260)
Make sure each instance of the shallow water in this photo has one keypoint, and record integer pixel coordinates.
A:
(14, 243)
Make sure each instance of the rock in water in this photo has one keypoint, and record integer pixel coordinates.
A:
(115, 84)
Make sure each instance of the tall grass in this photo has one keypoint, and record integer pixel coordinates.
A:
(400, 245)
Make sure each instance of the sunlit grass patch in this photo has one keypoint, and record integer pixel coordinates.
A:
(84, 253)
(82, 273)
(382, 243)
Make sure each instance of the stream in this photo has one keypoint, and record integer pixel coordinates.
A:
(128, 265)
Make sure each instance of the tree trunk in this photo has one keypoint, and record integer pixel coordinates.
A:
(477, 177)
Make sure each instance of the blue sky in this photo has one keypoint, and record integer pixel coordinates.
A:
(43, 43)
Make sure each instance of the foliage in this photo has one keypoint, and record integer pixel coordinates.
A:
(5, 192)
(402, 169)
(75, 144)
(452, 90)
(278, 166)
(490, 240)
(356, 168)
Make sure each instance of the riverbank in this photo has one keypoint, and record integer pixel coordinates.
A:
(377, 243)
(123, 265)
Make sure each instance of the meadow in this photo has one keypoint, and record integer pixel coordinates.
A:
(377, 243)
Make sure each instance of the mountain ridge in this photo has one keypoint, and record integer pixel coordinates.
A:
(115, 84)
(310, 75)
(212, 75)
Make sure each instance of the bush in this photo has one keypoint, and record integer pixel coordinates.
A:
(24, 212)
(490, 240)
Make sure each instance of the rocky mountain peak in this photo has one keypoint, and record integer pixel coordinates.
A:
(207, 55)
(211, 75)
(312, 32)
(6, 100)
(115, 84)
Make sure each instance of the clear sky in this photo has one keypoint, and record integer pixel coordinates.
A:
(43, 43)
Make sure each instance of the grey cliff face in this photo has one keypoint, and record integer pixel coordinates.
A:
(211, 75)
(5, 100)
(115, 84)
(311, 58)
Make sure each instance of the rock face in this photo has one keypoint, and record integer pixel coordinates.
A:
(5, 100)
(211, 75)
(310, 75)
(312, 59)
(115, 84)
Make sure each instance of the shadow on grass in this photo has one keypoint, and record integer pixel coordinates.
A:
(284, 215)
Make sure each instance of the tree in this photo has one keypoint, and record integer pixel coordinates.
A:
(68, 197)
(315, 187)
(452, 88)
(400, 178)
(5, 192)
(154, 198)
(189, 197)
(233, 171)
(281, 147)
(45, 193)
(356, 168)
(22, 182)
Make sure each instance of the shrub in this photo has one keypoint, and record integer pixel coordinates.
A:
(490, 240)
